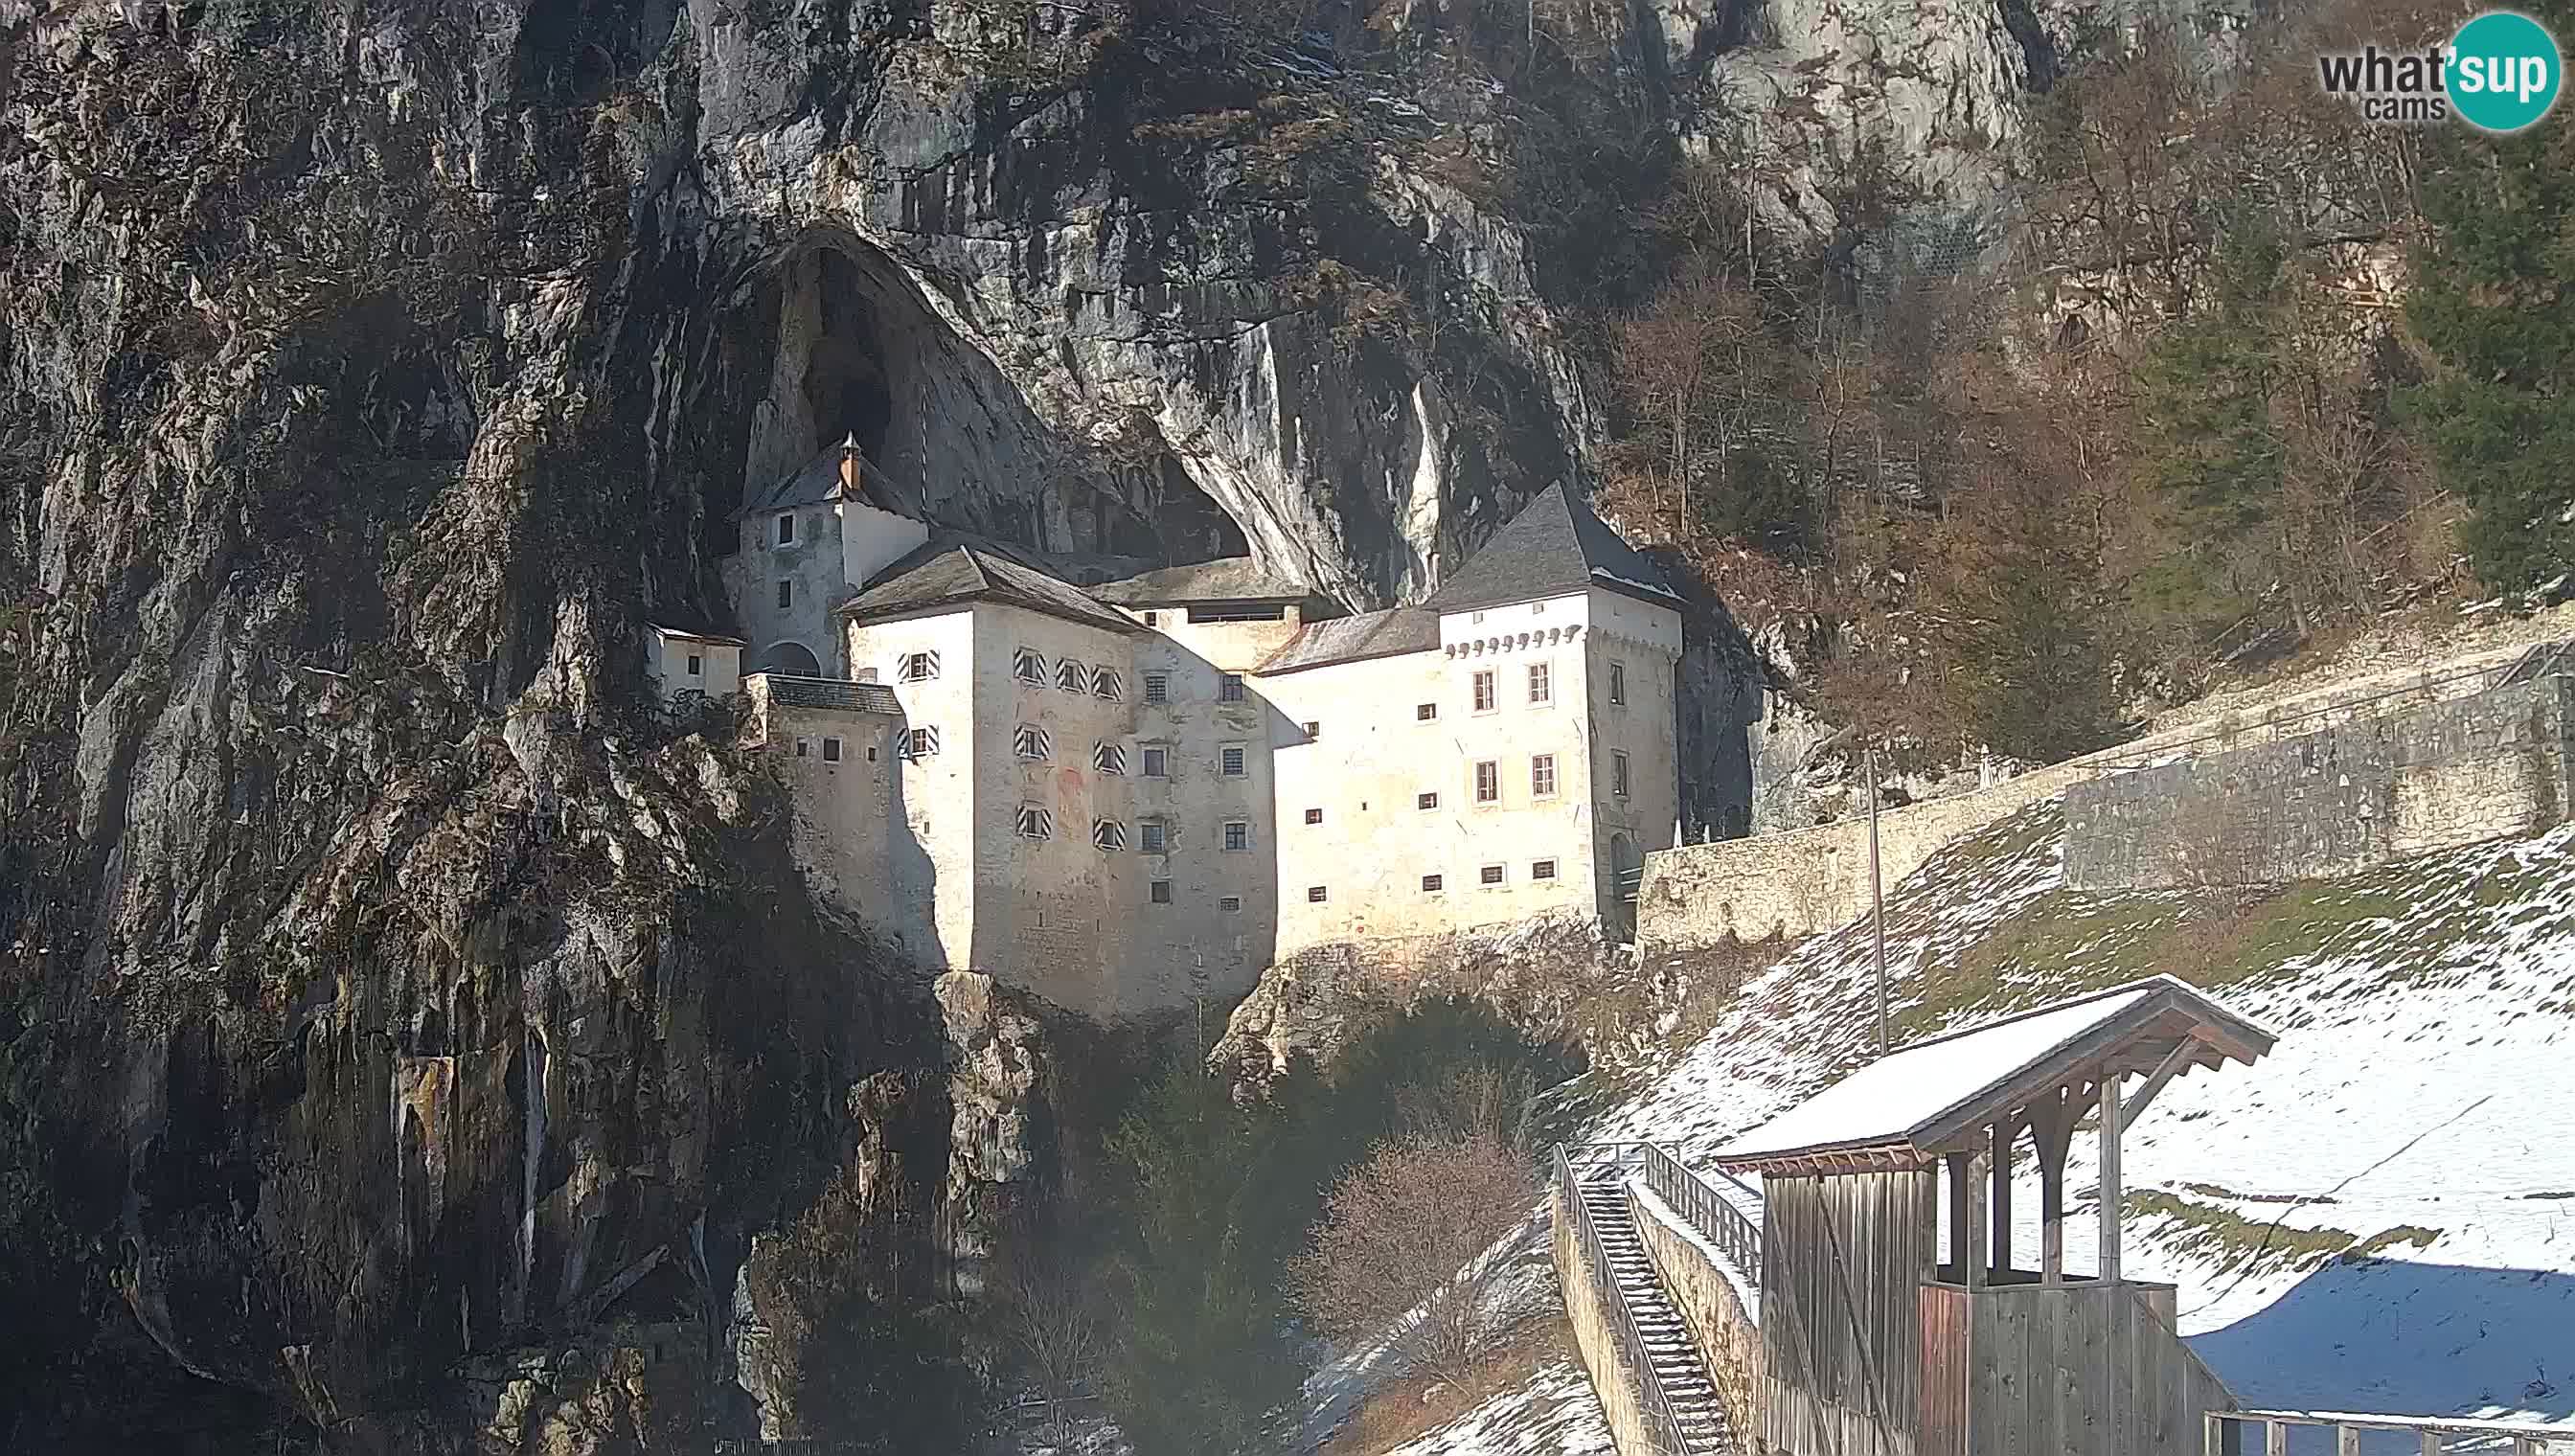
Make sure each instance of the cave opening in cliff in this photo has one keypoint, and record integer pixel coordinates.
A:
(845, 391)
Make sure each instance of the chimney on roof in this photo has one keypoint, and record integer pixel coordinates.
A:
(850, 464)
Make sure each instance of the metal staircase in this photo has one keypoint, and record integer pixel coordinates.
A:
(1677, 1395)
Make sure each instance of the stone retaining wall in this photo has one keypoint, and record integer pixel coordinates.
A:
(1804, 882)
(2332, 802)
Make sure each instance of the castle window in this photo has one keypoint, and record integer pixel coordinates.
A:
(1618, 683)
(1036, 823)
(1490, 875)
(1424, 711)
(1108, 683)
(1229, 688)
(1485, 698)
(1152, 837)
(1238, 835)
(1619, 775)
(1542, 869)
(804, 749)
(918, 667)
(1542, 689)
(1314, 817)
(1542, 775)
(1232, 905)
(786, 529)
(697, 665)
(920, 743)
(1108, 758)
(786, 594)
(1029, 667)
(1033, 742)
(1430, 884)
(1162, 892)
(1232, 758)
(872, 753)
(1157, 763)
(1157, 688)
(1153, 619)
(1314, 895)
(1313, 731)
(831, 750)
(1071, 677)
(1489, 782)
(1107, 835)
(1426, 801)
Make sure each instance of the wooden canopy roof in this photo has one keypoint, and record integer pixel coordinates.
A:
(1938, 1096)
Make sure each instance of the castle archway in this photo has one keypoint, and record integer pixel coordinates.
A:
(792, 659)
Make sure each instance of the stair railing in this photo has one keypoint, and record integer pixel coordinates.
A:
(1696, 1197)
(1666, 1432)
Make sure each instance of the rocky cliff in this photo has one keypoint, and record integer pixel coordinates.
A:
(403, 1033)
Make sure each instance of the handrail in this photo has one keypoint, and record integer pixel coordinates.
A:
(1658, 1410)
(1693, 1197)
(2527, 1437)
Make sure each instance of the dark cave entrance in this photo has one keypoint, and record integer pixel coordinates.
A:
(846, 390)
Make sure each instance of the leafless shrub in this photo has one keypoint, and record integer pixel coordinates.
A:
(1051, 1316)
(1401, 1247)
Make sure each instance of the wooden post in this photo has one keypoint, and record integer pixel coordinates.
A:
(2001, 1198)
(2111, 1129)
(2051, 1123)
(1971, 1224)
(1959, 1213)
(2346, 1441)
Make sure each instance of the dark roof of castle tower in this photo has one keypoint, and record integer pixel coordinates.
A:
(828, 477)
(952, 569)
(1356, 639)
(1555, 546)
(831, 692)
(1227, 579)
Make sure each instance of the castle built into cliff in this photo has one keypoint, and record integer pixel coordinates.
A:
(1124, 793)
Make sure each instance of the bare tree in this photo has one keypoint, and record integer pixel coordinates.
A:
(1051, 1316)
(1407, 1245)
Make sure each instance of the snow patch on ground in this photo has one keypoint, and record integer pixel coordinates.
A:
(1553, 1413)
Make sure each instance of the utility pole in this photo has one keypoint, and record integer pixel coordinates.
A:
(1877, 897)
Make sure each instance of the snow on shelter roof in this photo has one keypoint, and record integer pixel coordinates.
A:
(1938, 1096)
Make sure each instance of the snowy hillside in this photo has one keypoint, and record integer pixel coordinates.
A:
(2378, 1216)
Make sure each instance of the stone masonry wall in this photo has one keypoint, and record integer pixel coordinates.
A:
(1804, 882)
(2331, 802)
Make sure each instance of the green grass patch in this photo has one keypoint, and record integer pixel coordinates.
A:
(2227, 1239)
(2408, 1235)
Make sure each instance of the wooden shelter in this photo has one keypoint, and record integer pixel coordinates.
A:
(1874, 1344)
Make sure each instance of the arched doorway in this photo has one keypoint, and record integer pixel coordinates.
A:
(791, 658)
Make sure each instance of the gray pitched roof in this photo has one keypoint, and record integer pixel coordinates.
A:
(668, 627)
(949, 571)
(819, 481)
(1356, 639)
(1227, 579)
(787, 692)
(1553, 547)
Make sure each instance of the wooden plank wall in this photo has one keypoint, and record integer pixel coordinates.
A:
(1945, 1321)
(1843, 1259)
(2082, 1370)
